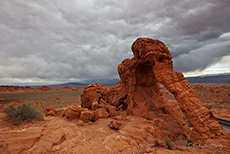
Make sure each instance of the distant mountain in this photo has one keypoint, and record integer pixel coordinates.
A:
(69, 84)
(104, 82)
(73, 84)
(219, 78)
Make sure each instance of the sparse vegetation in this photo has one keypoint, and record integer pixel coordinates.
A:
(63, 138)
(169, 144)
(93, 119)
(25, 112)
(52, 98)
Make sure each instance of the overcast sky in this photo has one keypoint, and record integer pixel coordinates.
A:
(53, 41)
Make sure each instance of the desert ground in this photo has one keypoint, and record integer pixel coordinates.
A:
(58, 134)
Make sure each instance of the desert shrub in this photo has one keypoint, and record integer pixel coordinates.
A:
(169, 144)
(25, 112)
(93, 119)
(63, 138)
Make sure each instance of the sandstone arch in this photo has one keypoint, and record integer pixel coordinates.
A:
(138, 91)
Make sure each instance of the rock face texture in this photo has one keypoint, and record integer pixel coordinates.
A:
(93, 92)
(10, 139)
(205, 125)
(73, 112)
(139, 93)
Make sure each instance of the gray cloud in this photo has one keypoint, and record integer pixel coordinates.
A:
(200, 58)
(80, 40)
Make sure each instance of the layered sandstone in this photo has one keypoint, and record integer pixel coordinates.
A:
(139, 93)
(205, 125)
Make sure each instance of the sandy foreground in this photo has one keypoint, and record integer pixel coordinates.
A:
(60, 135)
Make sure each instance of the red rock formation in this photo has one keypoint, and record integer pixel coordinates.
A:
(92, 92)
(138, 91)
(22, 89)
(215, 90)
(112, 111)
(54, 112)
(45, 88)
(86, 116)
(114, 124)
(101, 113)
(15, 89)
(73, 112)
(205, 124)
(16, 140)
(199, 86)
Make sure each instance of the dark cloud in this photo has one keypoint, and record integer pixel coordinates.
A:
(44, 41)
(205, 55)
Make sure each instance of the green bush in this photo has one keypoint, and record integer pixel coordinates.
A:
(93, 119)
(169, 144)
(63, 138)
(25, 112)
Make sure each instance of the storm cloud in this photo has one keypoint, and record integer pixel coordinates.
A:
(61, 41)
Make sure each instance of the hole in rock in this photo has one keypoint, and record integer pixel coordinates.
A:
(171, 98)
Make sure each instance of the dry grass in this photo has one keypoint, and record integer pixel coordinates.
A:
(44, 98)
(24, 112)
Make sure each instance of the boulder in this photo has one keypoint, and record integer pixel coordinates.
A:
(112, 111)
(115, 124)
(80, 123)
(50, 113)
(73, 112)
(60, 113)
(199, 86)
(86, 116)
(92, 92)
(54, 112)
(101, 113)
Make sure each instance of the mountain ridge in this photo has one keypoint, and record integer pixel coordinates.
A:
(210, 78)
